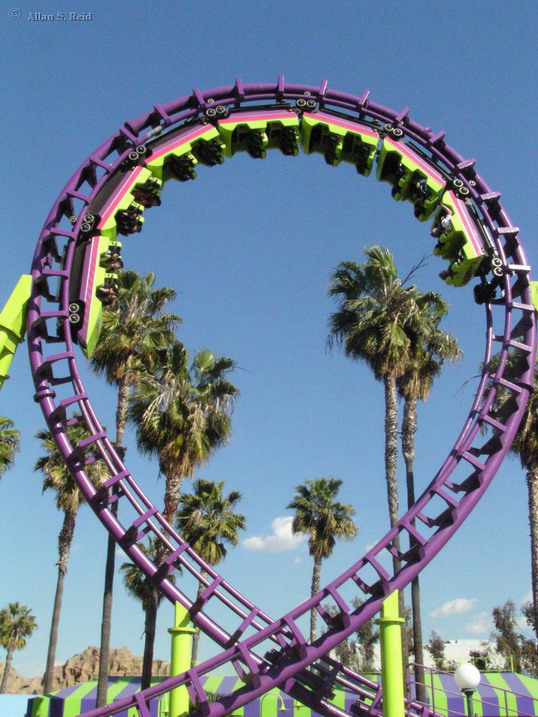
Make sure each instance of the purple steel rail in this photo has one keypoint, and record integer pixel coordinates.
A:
(300, 668)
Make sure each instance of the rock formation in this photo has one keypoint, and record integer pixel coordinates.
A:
(83, 668)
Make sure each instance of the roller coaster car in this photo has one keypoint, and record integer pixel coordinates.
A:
(120, 213)
(412, 178)
(130, 220)
(256, 132)
(181, 168)
(93, 285)
(459, 241)
(175, 155)
(339, 140)
(209, 152)
(461, 271)
(487, 292)
(147, 193)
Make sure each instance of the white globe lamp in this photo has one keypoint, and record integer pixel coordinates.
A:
(467, 678)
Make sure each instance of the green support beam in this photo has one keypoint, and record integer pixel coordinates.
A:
(180, 661)
(392, 677)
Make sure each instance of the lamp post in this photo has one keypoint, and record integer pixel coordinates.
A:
(467, 678)
(277, 697)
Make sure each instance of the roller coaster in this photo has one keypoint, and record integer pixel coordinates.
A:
(74, 276)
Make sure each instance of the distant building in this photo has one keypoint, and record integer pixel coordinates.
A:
(458, 651)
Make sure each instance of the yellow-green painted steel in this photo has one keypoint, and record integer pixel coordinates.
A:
(40, 706)
(507, 699)
(456, 248)
(13, 323)
(390, 637)
(402, 184)
(156, 162)
(109, 228)
(95, 317)
(234, 134)
(534, 294)
(309, 122)
(437, 695)
(180, 661)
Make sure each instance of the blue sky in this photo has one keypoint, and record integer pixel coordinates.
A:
(249, 247)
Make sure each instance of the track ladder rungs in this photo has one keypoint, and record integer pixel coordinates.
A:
(247, 622)
(298, 643)
(197, 692)
(472, 459)
(59, 413)
(168, 565)
(143, 710)
(341, 618)
(379, 587)
(497, 425)
(522, 307)
(91, 439)
(510, 385)
(132, 535)
(322, 684)
(46, 316)
(252, 673)
(207, 594)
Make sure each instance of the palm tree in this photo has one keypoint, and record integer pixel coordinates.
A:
(430, 348)
(374, 324)
(182, 414)
(319, 515)
(208, 523)
(9, 444)
(133, 330)
(16, 624)
(525, 446)
(68, 499)
(141, 588)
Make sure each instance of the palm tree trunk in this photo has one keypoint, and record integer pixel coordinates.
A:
(121, 411)
(7, 668)
(391, 457)
(409, 428)
(172, 495)
(314, 589)
(110, 566)
(150, 627)
(391, 448)
(106, 622)
(196, 635)
(65, 539)
(532, 486)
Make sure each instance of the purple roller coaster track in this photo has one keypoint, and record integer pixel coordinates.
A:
(266, 652)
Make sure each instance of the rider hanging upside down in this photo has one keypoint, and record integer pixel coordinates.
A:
(107, 293)
(442, 223)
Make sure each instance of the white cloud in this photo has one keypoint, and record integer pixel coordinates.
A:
(454, 607)
(281, 539)
(480, 624)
